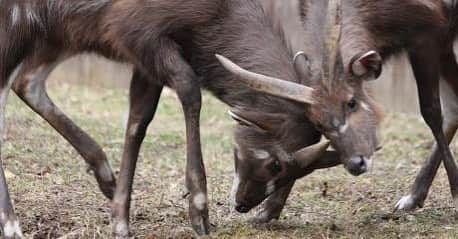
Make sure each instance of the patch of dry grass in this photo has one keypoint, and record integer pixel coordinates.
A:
(55, 197)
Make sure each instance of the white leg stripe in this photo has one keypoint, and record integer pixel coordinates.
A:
(200, 201)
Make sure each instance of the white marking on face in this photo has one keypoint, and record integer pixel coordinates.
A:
(334, 134)
(335, 122)
(200, 201)
(12, 229)
(270, 188)
(365, 106)
(235, 188)
(261, 154)
(15, 14)
(343, 128)
(283, 155)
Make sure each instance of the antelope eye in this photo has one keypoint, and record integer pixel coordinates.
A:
(275, 166)
(319, 127)
(352, 105)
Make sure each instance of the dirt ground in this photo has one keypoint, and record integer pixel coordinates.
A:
(56, 198)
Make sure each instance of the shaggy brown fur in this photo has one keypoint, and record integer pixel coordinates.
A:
(426, 30)
(170, 43)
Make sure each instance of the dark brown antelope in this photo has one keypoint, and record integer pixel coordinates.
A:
(426, 30)
(172, 43)
(348, 121)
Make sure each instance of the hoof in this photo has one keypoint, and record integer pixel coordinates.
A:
(107, 188)
(407, 203)
(198, 213)
(106, 180)
(265, 216)
(201, 225)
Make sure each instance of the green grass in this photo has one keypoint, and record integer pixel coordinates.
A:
(55, 197)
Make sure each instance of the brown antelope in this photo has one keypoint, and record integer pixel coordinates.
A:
(172, 43)
(349, 120)
(426, 30)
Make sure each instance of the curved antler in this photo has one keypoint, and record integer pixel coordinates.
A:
(310, 154)
(270, 85)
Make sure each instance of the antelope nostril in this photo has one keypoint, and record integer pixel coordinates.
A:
(357, 165)
(242, 208)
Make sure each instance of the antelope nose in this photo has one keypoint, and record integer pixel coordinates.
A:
(357, 165)
(242, 208)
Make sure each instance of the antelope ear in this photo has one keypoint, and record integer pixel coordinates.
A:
(369, 63)
(302, 64)
(257, 120)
